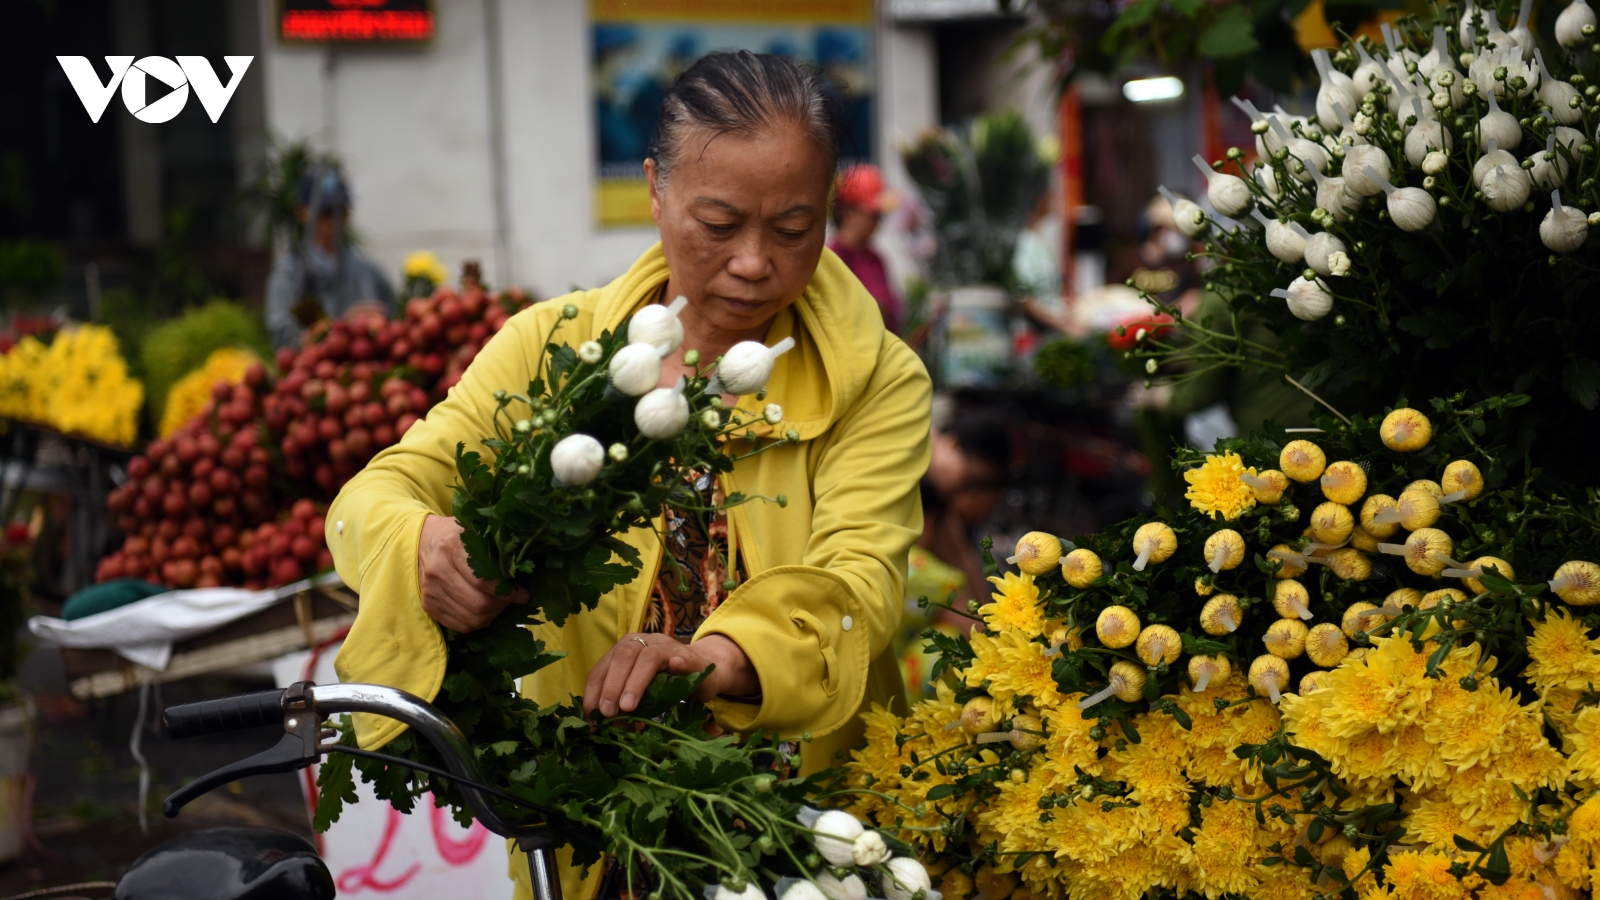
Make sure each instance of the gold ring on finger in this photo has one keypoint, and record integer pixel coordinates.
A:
(641, 641)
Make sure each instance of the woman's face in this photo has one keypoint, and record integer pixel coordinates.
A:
(742, 220)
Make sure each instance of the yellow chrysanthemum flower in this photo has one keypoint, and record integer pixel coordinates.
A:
(1221, 855)
(79, 384)
(1016, 667)
(424, 264)
(191, 392)
(1216, 489)
(1015, 606)
(1561, 653)
(1585, 739)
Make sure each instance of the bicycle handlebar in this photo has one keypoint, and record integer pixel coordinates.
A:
(226, 714)
(321, 700)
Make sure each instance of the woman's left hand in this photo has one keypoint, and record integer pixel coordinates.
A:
(618, 681)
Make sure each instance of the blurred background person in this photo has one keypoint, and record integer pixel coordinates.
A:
(859, 202)
(324, 276)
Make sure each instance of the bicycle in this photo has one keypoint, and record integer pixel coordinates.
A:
(251, 863)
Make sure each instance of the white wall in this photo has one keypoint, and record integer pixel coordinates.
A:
(412, 126)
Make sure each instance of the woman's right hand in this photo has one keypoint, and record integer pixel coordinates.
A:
(451, 594)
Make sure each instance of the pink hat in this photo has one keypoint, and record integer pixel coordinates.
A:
(861, 186)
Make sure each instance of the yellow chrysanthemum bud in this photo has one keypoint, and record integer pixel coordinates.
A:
(1070, 638)
(1450, 597)
(1203, 588)
(1081, 567)
(1427, 484)
(1357, 655)
(1331, 523)
(1127, 681)
(1462, 477)
(995, 885)
(1371, 508)
(1361, 616)
(1326, 645)
(1117, 627)
(977, 716)
(1205, 671)
(1485, 562)
(1159, 643)
(1363, 540)
(1405, 430)
(1312, 681)
(1426, 551)
(1268, 485)
(1022, 732)
(1224, 550)
(1037, 553)
(1302, 461)
(1399, 599)
(1286, 638)
(1269, 674)
(1344, 482)
(1292, 564)
(1418, 508)
(1291, 600)
(1349, 564)
(1155, 542)
(1221, 615)
(1577, 582)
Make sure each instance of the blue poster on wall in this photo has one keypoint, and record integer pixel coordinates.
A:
(641, 46)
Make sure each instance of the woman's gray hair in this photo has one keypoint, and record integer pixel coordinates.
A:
(746, 93)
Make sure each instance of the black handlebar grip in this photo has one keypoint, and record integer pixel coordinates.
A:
(226, 714)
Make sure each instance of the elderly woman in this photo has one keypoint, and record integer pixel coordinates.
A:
(794, 606)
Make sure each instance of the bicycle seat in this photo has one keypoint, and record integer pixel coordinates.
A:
(228, 864)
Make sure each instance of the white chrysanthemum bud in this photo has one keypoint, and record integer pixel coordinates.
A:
(1495, 157)
(636, 369)
(836, 833)
(1267, 177)
(1501, 127)
(1186, 214)
(1412, 209)
(618, 452)
(750, 892)
(803, 890)
(590, 352)
(1368, 75)
(576, 459)
(1321, 246)
(1310, 154)
(850, 887)
(1308, 300)
(869, 849)
(1425, 138)
(1335, 199)
(1338, 263)
(773, 414)
(1282, 240)
(1356, 161)
(1564, 228)
(747, 365)
(658, 326)
(1559, 96)
(1549, 168)
(662, 413)
(1435, 162)
(1337, 94)
(1228, 194)
(905, 878)
(711, 419)
(1571, 22)
(1505, 189)
(1438, 55)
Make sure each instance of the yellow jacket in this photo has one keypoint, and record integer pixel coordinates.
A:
(826, 574)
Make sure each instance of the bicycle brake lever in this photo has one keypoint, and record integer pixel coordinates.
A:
(295, 750)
